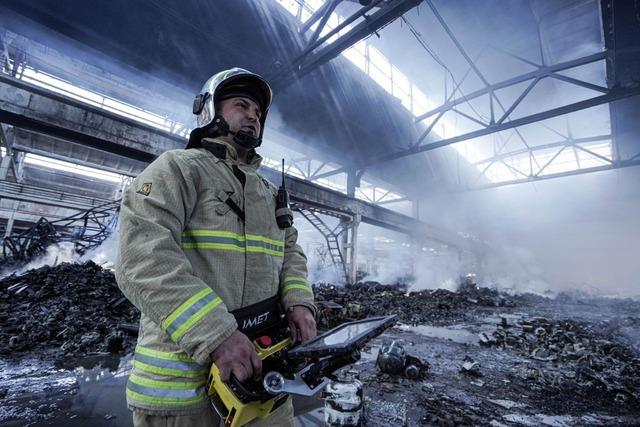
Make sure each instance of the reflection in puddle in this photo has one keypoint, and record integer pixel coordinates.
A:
(462, 336)
(36, 389)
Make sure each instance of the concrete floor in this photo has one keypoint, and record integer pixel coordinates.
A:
(90, 391)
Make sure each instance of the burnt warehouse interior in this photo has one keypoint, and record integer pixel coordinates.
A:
(320, 212)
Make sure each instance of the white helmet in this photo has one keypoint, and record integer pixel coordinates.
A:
(223, 85)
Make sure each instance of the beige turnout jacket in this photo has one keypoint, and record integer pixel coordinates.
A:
(186, 260)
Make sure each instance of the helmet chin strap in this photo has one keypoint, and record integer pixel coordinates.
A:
(245, 139)
(219, 126)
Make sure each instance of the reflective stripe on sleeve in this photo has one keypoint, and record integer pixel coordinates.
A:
(293, 282)
(190, 312)
(169, 364)
(170, 393)
(226, 240)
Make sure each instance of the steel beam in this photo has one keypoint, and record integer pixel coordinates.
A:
(322, 14)
(388, 11)
(38, 110)
(45, 112)
(322, 198)
(327, 174)
(613, 95)
(455, 41)
(557, 144)
(45, 196)
(613, 165)
(45, 145)
(44, 153)
(307, 50)
(401, 199)
(541, 72)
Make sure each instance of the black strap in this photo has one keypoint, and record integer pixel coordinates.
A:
(220, 151)
(240, 176)
(234, 207)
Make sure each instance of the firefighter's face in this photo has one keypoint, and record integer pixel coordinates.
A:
(241, 114)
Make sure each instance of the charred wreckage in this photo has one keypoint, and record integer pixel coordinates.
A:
(474, 356)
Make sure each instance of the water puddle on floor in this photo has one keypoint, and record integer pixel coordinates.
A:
(452, 333)
(35, 390)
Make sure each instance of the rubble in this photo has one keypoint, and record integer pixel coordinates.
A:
(430, 306)
(470, 367)
(385, 413)
(516, 359)
(415, 368)
(444, 410)
(74, 309)
(500, 370)
(575, 358)
(393, 360)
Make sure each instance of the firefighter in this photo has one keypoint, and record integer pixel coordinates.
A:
(199, 242)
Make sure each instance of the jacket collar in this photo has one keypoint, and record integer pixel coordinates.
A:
(224, 151)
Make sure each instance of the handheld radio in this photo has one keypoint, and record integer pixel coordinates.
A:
(284, 216)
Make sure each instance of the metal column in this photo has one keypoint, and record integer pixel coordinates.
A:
(350, 245)
(350, 230)
(9, 227)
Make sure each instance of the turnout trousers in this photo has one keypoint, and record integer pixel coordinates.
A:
(282, 417)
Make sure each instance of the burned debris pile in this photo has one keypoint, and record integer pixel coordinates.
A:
(431, 306)
(466, 370)
(570, 356)
(75, 309)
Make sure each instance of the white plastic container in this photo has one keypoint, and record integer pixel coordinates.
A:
(344, 403)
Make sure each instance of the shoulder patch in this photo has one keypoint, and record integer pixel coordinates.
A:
(145, 189)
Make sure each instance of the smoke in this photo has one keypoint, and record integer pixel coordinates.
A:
(512, 268)
(501, 265)
(437, 271)
(570, 233)
(54, 255)
(386, 266)
(389, 257)
(320, 272)
(105, 254)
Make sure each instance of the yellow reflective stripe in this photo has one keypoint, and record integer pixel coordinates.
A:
(165, 392)
(289, 279)
(264, 239)
(295, 282)
(221, 246)
(220, 76)
(169, 385)
(164, 400)
(151, 369)
(189, 313)
(164, 355)
(212, 233)
(175, 336)
(169, 364)
(257, 249)
(233, 248)
(229, 234)
(184, 307)
(291, 287)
